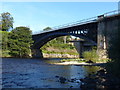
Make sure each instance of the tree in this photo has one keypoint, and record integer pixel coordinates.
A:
(0, 23)
(4, 43)
(4, 40)
(47, 28)
(6, 22)
(20, 41)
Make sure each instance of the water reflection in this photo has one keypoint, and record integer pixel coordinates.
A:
(91, 69)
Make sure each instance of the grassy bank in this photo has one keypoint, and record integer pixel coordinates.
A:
(89, 57)
(56, 47)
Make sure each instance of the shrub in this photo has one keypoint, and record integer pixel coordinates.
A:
(91, 55)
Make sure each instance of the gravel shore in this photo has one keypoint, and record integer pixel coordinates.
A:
(77, 63)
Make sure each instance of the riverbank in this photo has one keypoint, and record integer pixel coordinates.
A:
(77, 63)
(59, 55)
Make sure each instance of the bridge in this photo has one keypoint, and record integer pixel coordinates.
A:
(96, 30)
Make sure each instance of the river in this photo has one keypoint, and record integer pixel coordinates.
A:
(38, 73)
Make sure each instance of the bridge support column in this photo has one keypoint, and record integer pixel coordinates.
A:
(107, 31)
(79, 47)
(101, 38)
(37, 53)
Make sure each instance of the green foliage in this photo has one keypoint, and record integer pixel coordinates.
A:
(20, 41)
(69, 60)
(4, 40)
(47, 28)
(58, 44)
(60, 52)
(17, 42)
(92, 69)
(91, 55)
(60, 39)
(5, 53)
(4, 43)
(6, 21)
(63, 46)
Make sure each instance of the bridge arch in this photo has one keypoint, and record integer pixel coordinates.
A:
(43, 40)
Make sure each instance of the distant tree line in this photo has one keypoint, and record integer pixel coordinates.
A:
(15, 42)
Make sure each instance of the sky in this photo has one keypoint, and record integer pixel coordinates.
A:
(39, 15)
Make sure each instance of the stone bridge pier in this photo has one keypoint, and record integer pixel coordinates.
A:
(107, 31)
(37, 53)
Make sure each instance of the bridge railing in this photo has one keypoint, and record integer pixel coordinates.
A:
(84, 21)
(115, 12)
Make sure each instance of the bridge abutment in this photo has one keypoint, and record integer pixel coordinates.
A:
(107, 31)
(37, 53)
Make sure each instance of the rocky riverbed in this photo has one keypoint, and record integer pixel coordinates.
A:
(77, 63)
(101, 80)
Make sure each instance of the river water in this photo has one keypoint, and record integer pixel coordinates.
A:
(36, 73)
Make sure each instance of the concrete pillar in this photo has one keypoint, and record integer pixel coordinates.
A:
(101, 38)
(79, 47)
(107, 32)
(101, 35)
(64, 38)
(77, 31)
(37, 53)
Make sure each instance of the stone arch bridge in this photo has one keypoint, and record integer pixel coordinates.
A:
(96, 30)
